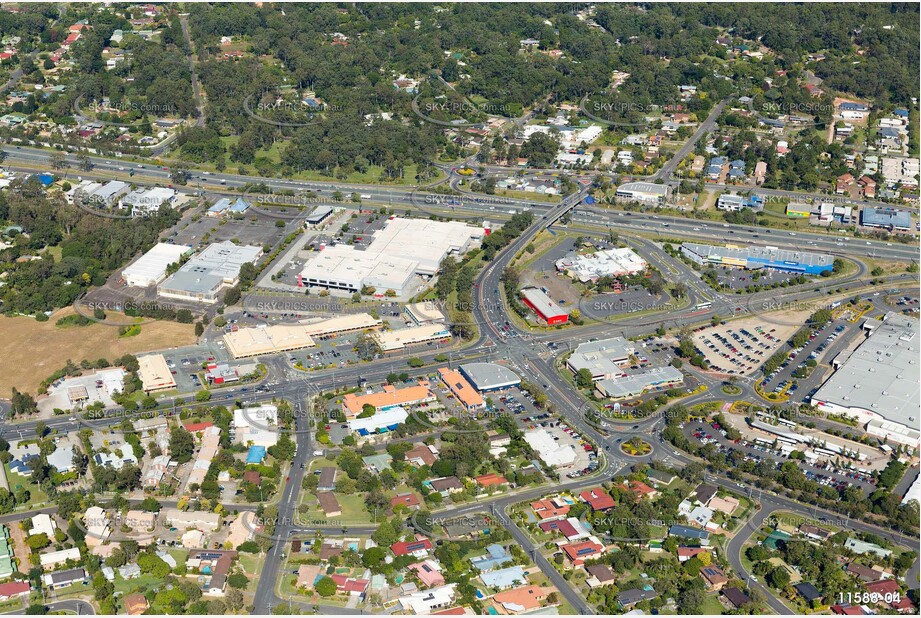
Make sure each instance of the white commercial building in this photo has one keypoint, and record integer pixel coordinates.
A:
(647, 192)
(549, 450)
(154, 373)
(256, 426)
(879, 380)
(634, 385)
(424, 313)
(397, 253)
(392, 340)
(385, 420)
(602, 358)
(150, 268)
(143, 202)
(610, 262)
(206, 274)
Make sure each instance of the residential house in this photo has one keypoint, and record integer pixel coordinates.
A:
(629, 598)
(409, 500)
(422, 455)
(135, 604)
(446, 485)
(598, 499)
(552, 508)
(578, 553)
(863, 573)
(844, 183)
(809, 592)
(714, 577)
(418, 548)
(495, 557)
(329, 504)
(424, 602)
(599, 575)
(504, 578)
(62, 579)
(14, 589)
(428, 572)
(735, 597)
(522, 600)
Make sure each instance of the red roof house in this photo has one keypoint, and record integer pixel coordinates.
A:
(598, 499)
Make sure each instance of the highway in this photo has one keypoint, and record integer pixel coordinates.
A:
(522, 351)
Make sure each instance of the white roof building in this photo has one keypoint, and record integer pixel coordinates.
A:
(424, 602)
(610, 262)
(150, 268)
(43, 523)
(53, 559)
(549, 450)
(601, 357)
(384, 420)
(391, 340)
(256, 425)
(402, 249)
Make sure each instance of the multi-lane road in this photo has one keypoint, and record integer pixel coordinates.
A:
(521, 350)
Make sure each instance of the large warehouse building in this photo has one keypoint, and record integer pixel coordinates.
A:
(395, 340)
(255, 341)
(486, 377)
(544, 307)
(548, 449)
(154, 373)
(607, 263)
(150, 268)
(879, 380)
(634, 385)
(753, 257)
(647, 192)
(205, 275)
(602, 358)
(402, 250)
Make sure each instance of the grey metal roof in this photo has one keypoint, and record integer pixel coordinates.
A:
(758, 253)
(485, 376)
(881, 376)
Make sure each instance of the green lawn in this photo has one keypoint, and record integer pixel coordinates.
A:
(127, 586)
(353, 510)
(711, 605)
(36, 493)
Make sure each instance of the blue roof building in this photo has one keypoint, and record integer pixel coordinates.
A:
(255, 455)
(901, 113)
(886, 217)
(506, 578)
(495, 557)
(45, 179)
(687, 532)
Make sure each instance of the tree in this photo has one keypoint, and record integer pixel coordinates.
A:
(584, 378)
(239, 581)
(326, 587)
(181, 445)
(150, 505)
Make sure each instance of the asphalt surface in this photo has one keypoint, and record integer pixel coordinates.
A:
(522, 351)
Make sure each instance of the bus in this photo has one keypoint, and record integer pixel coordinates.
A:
(703, 306)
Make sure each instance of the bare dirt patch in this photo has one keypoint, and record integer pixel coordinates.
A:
(31, 350)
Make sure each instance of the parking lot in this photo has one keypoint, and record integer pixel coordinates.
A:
(253, 228)
(739, 278)
(799, 371)
(822, 472)
(740, 347)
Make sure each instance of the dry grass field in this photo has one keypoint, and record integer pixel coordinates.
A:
(31, 350)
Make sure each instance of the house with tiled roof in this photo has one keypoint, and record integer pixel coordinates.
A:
(491, 480)
(409, 500)
(598, 499)
(578, 553)
(714, 577)
(419, 548)
(553, 508)
(520, 600)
